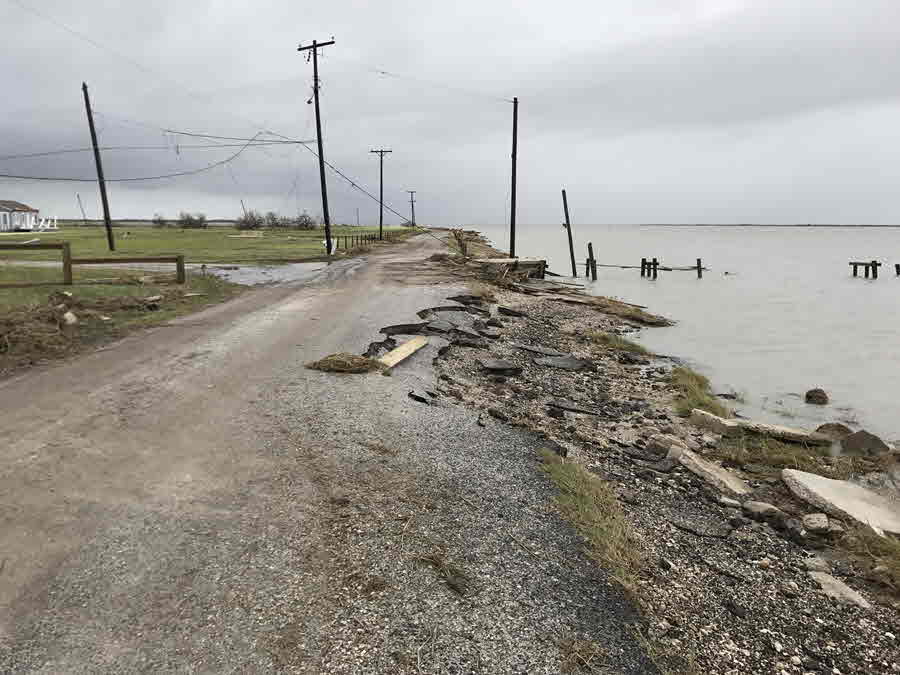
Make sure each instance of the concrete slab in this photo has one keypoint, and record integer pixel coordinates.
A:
(714, 423)
(844, 499)
(837, 589)
(720, 425)
(721, 479)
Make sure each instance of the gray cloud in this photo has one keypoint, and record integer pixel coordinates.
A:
(662, 110)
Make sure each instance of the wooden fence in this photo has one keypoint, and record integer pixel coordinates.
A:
(68, 262)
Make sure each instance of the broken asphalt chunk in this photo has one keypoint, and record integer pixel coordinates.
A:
(544, 351)
(501, 367)
(571, 406)
(404, 329)
(506, 311)
(565, 362)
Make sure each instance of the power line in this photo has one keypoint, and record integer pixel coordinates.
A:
(140, 178)
(65, 151)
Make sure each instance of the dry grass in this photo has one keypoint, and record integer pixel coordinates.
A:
(591, 504)
(581, 656)
(768, 452)
(617, 342)
(32, 330)
(454, 576)
(695, 393)
(882, 553)
(629, 312)
(482, 290)
(343, 362)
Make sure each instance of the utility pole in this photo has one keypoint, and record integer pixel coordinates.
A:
(381, 153)
(81, 206)
(100, 179)
(568, 226)
(314, 48)
(357, 216)
(512, 210)
(412, 206)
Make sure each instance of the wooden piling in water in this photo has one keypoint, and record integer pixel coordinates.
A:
(875, 265)
(655, 265)
(592, 263)
(897, 269)
(699, 268)
(569, 232)
(643, 267)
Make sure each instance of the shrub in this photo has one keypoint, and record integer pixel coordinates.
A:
(251, 220)
(159, 220)
(305, 222)
(192, 221)
(273, 220)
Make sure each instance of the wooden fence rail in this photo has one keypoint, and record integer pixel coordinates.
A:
(68, 262)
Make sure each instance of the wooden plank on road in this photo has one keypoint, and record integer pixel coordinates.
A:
(408, 348)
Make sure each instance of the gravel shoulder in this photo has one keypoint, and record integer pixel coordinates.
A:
(192, 499)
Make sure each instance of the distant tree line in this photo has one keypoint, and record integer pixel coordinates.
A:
(255, 220)
(250, 220)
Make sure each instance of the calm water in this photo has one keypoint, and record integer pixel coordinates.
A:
(787, 317)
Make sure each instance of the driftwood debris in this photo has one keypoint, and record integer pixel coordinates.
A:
(407, 349)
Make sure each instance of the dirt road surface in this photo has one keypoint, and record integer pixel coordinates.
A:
(192, 499)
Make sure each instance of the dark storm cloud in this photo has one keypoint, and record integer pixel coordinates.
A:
(664, 110)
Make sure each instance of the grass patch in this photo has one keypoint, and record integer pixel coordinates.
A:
(210, 245)
(617, 342)
(591, 504)
(694, 393)
(343, 362)
(882, 553)
(31, 325)
(581, 656)
(776, 455)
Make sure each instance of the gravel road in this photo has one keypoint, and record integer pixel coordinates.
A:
(192, 499)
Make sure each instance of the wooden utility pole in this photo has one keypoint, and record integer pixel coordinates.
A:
(381, 153)
(412, 206)
(568, 227)
(512, 207)
(314, 48)
(81, 206)
(100, 179)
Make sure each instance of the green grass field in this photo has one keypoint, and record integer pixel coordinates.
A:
(214, 289)
(211, 245)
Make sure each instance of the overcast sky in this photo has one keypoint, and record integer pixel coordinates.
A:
(646, 110)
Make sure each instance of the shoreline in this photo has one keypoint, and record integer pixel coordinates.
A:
(722, 586)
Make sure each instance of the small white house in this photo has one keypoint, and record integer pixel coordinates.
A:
(16, 216)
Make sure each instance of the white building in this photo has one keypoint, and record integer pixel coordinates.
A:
(16, 216)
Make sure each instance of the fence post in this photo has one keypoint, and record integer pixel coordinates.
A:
(643, 267)
(699, 268)
(875, 264)
(655, 265)
(67, 263)
(180, 276)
